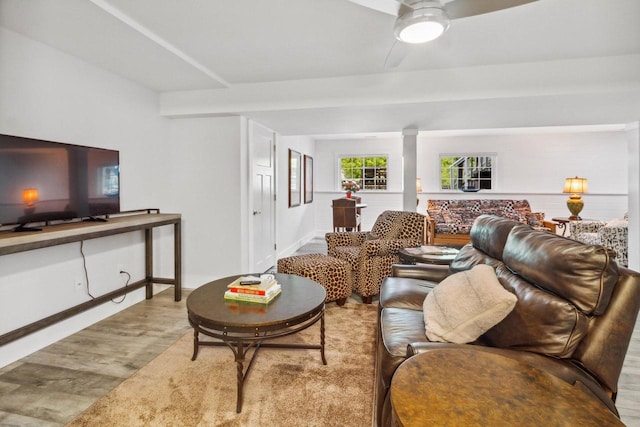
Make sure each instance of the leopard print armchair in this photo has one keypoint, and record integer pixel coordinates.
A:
(371, 254)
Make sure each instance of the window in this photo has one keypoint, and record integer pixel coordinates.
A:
(469, 172)
(370, 173)
(110, 180)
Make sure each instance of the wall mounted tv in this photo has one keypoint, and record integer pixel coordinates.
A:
(44, 181)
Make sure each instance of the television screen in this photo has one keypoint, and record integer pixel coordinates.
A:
(42, 181)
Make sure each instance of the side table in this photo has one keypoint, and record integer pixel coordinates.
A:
(465, 386)
(439, 255)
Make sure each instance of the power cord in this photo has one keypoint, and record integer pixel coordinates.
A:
(125, 285)
(84, 265)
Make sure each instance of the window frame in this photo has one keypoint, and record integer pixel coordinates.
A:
(493, 167)
(360, 181)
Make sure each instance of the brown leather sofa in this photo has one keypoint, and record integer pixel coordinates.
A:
(574, 317)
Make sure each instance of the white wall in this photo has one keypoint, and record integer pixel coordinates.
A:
(208, 169)
(328, 154)
(49, 95)
(531, 164)
(633, 137)
(295, 225)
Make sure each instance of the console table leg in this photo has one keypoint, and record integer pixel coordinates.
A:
(148, 262)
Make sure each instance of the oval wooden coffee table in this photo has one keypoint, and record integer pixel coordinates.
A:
(467, 387)
(242, 326)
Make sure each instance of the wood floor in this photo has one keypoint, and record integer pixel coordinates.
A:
(52, 386)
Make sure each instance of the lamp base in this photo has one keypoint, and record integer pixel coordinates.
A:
(575, 205)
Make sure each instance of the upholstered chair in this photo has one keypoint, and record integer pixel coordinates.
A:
(610, 234)
(372, 253)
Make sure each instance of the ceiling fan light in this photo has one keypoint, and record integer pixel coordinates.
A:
(421, 25)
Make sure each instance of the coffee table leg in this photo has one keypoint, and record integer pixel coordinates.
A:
(196, 343)
(239, 374)
(324, 360)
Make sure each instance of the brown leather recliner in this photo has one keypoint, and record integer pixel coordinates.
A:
(574, 317)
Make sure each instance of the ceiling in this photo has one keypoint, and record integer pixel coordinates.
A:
(317, 67)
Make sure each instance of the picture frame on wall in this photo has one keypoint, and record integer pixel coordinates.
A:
(308, 179)
(295, 178)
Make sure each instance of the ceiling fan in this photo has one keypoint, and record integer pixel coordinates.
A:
(420, 21)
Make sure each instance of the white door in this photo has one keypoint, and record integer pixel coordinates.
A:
(262, 142)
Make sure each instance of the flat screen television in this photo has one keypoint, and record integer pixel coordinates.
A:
(45, 181)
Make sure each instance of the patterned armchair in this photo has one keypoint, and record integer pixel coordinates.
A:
(371, 254)
(612, 235)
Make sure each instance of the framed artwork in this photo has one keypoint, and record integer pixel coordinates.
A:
(308, 179)
(295, 178)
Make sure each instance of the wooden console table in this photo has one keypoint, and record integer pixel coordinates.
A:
(64, 233)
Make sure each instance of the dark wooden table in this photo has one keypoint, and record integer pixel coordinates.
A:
(428, 256)
(242, 326)
(464, 387)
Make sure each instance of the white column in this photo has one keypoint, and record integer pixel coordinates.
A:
(409, 154)
(633, 198)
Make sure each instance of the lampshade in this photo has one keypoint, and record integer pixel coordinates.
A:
(418, 185)
(425, 22)
(575, 185)
(29, 196)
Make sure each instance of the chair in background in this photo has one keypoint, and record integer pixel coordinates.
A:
(345, 214)
(371, 254)
(610, 234)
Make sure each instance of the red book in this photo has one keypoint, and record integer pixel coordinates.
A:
(247, 290)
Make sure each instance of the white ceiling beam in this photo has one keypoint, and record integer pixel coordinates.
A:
(146, 32)
(554, 78)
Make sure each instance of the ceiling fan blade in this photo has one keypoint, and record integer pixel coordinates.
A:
(463, 8)
(390, 7)
(396, 54)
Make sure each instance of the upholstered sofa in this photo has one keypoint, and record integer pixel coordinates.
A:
(371, 254)
(449, 221)
(612, 234)
(574, 315)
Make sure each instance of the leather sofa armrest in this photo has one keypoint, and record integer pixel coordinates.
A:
(423, 347)
(430, 272)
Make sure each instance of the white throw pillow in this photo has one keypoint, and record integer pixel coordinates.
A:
(465, 305)
(618, 222)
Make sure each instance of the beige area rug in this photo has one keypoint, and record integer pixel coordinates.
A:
(284, 387)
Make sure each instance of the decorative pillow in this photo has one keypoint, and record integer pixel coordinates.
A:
(465, 305)
(535, 219)
(618, 222)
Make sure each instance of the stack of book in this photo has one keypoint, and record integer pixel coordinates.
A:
(261, 289)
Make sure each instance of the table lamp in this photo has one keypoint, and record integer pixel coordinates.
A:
(575, 186)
